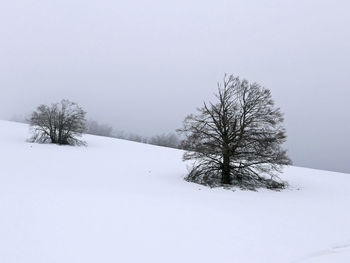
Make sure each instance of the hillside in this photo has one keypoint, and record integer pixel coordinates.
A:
(120, 201)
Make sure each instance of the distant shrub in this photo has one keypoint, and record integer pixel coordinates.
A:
(61, 123)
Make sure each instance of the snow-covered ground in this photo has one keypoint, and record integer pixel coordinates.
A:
(119, 201)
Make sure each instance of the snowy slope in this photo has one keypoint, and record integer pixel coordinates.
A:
(119, 201)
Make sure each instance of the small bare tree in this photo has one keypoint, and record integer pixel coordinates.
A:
(61, 123)
(237, 140)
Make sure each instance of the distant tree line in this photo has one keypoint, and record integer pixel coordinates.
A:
(171, 140)
(20, 118)
(92, 127)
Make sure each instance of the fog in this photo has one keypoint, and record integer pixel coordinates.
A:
(142, 66)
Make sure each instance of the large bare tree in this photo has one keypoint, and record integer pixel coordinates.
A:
(61, 123)
(238, 139)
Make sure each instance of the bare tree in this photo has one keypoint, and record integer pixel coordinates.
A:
(61, 123)
(238, 139)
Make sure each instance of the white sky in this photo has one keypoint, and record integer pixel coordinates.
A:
(142, 66)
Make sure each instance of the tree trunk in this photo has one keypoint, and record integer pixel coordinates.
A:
(226, 169)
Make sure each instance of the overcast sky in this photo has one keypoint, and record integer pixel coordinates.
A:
(142, 66)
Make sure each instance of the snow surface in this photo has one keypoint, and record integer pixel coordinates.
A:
(119, 201)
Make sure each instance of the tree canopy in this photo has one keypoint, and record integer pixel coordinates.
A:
(236, 140)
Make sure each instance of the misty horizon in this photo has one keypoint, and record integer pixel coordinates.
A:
(142, 67)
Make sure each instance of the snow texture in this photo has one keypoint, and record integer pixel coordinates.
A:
(120, 201)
